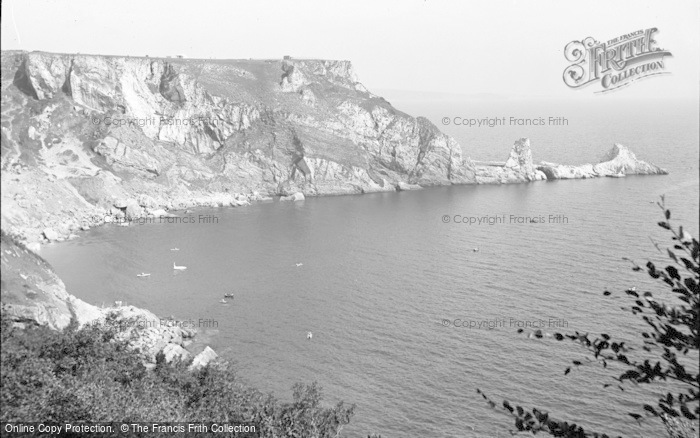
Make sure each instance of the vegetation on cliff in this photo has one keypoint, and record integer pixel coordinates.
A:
(89, 374)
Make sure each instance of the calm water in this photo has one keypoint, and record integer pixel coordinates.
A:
(381, 272)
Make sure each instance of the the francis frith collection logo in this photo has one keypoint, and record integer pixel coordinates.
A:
(616, 63)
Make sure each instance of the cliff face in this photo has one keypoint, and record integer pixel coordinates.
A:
(80, 133)
(92, 139)
(32, 294)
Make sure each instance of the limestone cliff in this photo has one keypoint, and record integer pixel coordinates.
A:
(80, 133)
(88, 140)
(32, 294)
(93, 139)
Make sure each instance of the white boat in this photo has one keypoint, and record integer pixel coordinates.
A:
(300, 264)
(179, 268)
(223, 301)
(174, 249)
(143, 274)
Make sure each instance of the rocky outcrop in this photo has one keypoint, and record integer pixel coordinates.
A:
(203, 358)
(298, 196)
(404, 187)
(617, 162)
(89, 130)
(517, 168)
(81, 133)
(32, 294)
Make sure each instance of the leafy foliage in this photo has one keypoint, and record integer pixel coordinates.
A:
(88, 374)
(669, 346)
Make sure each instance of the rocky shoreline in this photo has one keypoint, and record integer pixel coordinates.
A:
(32, 294)
(90, 140)
(518, 168)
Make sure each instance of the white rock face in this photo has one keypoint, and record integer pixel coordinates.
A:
(50, 234)
(618, 161)
(203, 358)
(517, 168)
(520, 158)
(621, 160)
(176, 134)
(34, 247)
(402, 186)
(174, 351)
(298, 196)
(562, 171)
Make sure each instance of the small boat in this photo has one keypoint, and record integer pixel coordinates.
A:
(223, 301)
(300, 264)
(174, 249)
(309, 335)
(228, 295)
(179, 268)
(475, 249)
(143, 274)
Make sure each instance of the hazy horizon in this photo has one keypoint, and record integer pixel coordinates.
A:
(446, 47)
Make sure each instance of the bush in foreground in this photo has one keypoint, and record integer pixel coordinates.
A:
(86, 374)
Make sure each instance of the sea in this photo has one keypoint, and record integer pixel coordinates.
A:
(412, 304)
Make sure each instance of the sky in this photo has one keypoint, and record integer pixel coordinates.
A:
(503, 47)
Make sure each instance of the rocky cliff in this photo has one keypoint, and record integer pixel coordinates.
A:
(88, 140)
(81, 133)
(94, 139)
(32, 294)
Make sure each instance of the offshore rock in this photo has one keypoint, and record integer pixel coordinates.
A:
(516, 169)
(617, 162)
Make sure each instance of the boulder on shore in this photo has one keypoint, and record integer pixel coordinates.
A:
(34, 246)
(174, 351)
(203, 359)
(298, 196)
(403, 186)
(50, 234)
